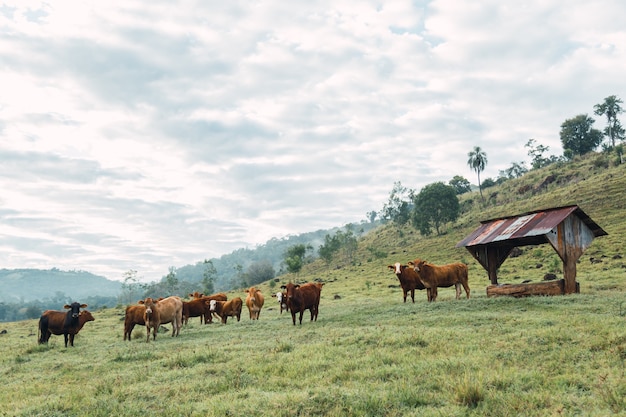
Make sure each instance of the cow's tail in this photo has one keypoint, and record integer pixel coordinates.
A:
(43, 329)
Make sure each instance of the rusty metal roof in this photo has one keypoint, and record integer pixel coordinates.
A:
(526, 229)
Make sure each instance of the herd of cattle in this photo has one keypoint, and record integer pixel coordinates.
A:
(152, 313)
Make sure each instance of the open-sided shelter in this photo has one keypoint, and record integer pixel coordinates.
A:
(568, 229)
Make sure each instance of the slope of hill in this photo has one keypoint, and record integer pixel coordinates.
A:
(594, 183)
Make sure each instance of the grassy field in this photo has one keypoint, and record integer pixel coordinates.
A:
(368, 354)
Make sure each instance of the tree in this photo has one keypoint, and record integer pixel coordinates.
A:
(208, 277)
(460, 184)
(536, 151)
(435, 205)
(294, 257)
(477, 160)
(516, 170)
(329, 248)
(610, 108)
(132, 290)
(260, 271)
(578, 136)
(397, 208)
(170, 281)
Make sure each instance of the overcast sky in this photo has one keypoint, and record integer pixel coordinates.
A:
(148, 134)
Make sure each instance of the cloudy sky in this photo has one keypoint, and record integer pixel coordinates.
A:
(148, 134)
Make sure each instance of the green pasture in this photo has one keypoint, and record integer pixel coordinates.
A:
(367, 355)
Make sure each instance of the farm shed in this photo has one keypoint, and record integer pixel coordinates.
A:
(568, 229)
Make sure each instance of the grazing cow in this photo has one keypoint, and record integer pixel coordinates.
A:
(162, 311)
(225, 309)
(434, 276)
(303, 297)
(198, 308)
(134, 315)
(254, 302)
(281, 297)
(61, 322)
(409, 281)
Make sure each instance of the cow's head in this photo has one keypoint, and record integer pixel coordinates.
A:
(149, 303)
(212, 305)
(290, 290)
(417, 264)
(74, 309)
(396, 268)
(281, 297)
(86, 316)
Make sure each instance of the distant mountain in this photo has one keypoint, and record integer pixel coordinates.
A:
(35, 284)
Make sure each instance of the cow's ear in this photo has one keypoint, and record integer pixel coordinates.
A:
(297, 286)
(140, 302)
(284, 287)
(391, 267)
(273, 295)
(67, 306)
(83, 306)
(410, 263)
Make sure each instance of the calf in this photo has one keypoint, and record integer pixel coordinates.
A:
(163, 311)
(198, 307)
(434, 276)
(254, 302)
(409, 280)
(134, 315)
(281, 297)
(66, 323)
(225, 309)
(303, 297)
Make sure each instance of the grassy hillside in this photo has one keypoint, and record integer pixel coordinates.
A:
(369, 354)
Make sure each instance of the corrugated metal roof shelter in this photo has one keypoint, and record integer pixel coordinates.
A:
(568, 229)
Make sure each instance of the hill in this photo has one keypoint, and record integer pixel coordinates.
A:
(24, 285)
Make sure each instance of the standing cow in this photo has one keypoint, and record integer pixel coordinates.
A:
(409, 280)
(303, 297)
(225, 309)
(162, 311)
(435, 276)
(281, 297)
(197, 307)
(254, 302)
(134, 315)
(66, 323)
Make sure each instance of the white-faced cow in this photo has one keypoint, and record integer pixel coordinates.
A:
(67, 323)
(409, 280)
(225, 309)
(281, 297)
(438, 276)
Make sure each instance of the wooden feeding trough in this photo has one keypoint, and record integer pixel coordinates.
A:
(568, 229)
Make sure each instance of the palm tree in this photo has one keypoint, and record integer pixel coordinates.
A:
(611, 108)
(477, 160)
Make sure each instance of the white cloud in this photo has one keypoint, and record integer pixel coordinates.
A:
(142, 135)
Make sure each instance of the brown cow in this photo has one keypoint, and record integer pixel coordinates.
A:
(61, 322)
(254, 302)
(198, 308)
(409, 281)
(225, 309)
(303, 297)
(434, 276)
(134, 315)
(162, 311)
